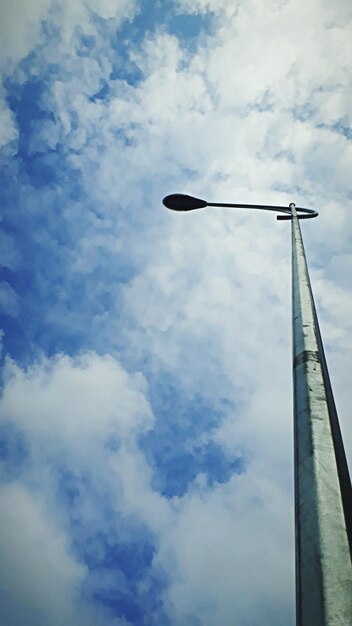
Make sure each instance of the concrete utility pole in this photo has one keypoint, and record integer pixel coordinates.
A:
(323, 494)
(323, 505)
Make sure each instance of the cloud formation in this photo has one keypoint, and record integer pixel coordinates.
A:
(146, 443)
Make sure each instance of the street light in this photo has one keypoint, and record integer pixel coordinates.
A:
(323, 495)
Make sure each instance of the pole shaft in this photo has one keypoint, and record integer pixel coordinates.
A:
(322, 489)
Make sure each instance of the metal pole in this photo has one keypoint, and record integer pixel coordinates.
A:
(323, 503)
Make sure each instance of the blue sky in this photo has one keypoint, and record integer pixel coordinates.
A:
(145, 411)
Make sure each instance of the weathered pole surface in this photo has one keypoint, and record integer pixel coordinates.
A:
(323, 503)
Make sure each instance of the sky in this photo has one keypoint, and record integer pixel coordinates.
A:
(146, 448)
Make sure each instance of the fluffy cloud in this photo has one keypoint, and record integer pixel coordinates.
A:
(204, 6)
(211, 563)
(74, 425)
(68, 410)
(52, 393)
(39, 579)
(20, 28)
(21, 22)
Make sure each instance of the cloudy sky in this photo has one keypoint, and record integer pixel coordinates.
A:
(146, 394)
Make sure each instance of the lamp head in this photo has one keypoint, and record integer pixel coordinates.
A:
(182, 202)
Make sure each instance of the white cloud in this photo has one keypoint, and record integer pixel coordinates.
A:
(39, 579)
(41, 582)
(107, 9)
(21, 22)
(20, 26)
(222, 7)
(76, 399)
(227, 554)
(74, 414)
(227, 526)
